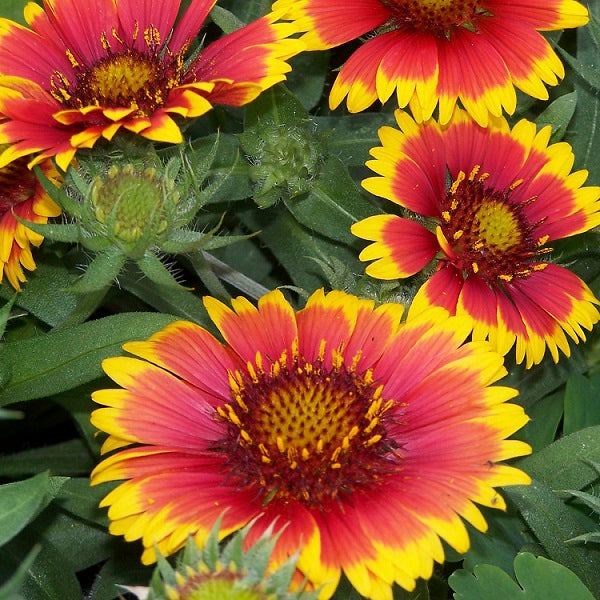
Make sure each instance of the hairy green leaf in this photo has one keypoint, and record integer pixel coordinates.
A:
(554, 523)
(65, 458)
(21, 502)
(59, 361)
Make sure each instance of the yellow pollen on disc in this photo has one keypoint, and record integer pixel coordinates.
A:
(497, 225)
(306, 431)
(488, 231)
(122, 77)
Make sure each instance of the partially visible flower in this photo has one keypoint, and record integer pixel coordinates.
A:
(21, 194)
(361, 440)
(231, 573)
(86, 70)
(435, 53)
(489, 200)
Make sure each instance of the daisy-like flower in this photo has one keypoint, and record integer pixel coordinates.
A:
(437, 52)
(363, 440)
(86, 69)
(21, 194)
(490, 201)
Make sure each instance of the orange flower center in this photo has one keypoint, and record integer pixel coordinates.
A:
(439, 17)
(125, 78)
(17, 184)
(484, 232)
(308, 433)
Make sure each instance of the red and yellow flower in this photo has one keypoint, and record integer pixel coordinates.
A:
(490, 201)
(364, 440)
(21, 194)
(437, 52)
(85, 70)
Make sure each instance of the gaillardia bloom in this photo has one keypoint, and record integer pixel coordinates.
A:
(86, 69)
(22, 194)
(362, 439)
(438, 51)
(489, 200)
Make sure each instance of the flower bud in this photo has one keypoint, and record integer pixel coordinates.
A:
(131, 203)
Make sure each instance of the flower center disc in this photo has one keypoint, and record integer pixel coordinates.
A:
(307, 433)
(17, 184)
(486, 232)
(128, 79)
(439, 17)
(497, 226)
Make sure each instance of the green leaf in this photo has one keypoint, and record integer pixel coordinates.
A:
(120, 568)
(539, 579)
(249, 10)
(58, 232)
(9, 591)
(505, 537)
(79, 498)
(583, 133)
(180, 302)
(48, 578)
(207, 276)
(10, 415)
(295, 246)
(155, 270)
(65, 458)
(275, 106)
(59, 361)
(545, 416)
(589, 73)
(69, 204)
(582, 403)
(238, 280)
(589, 499)
(228, 173)
(565, 464)
(20, 502)
(308, 76)
(13, 9)
(554, 523)
(591, 537)
(558, 115)
(546, 378)
(78, 403)
(350, 137)
(44, 295)
(79, 544)
(5, 314)
(225, 19)
(100, 273)
(333, 205)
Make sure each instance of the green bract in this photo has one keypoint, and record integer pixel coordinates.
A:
(133, 211)
(230, 573)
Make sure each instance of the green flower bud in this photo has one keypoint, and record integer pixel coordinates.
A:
(131, 202)
(228, 573)
(136, 212)
(283, 161)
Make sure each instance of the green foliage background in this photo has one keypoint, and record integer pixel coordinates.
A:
(53, 539)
